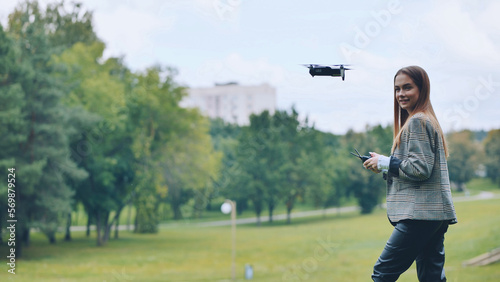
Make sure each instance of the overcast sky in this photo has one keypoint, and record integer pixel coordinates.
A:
(257, 41)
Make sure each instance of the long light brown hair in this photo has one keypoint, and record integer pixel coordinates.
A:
(423, 105)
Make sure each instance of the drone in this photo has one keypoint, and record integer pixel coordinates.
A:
(332, 70)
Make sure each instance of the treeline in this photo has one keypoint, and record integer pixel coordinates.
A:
(81, 130)
(279, 160)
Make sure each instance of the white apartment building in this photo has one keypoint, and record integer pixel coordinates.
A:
(232, 102)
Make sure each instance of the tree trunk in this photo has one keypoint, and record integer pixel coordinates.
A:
(288, 215)
(271, 208)
(20, 233)
(135, 223)
(117, 224)
(107, 228)
(289, 207)
(67, 237)
(98, 228)
(89, 217)
(177, 210)
(26, 236)
(129, 215)
(52, 238)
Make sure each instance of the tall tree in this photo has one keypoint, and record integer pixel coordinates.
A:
(463, 159)
(322, 169)
(172, 147)
(225, 139)
(293, 134)
(190, 165)
(101, 145)
(45, 159)
(13, 127)
(366, 186)
(268, 168)
(492, 151)
(249, 176)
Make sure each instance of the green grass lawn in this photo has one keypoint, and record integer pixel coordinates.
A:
(335, 248)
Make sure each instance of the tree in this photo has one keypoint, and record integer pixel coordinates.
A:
(268, 168)
(249, 176)
(322, 169)
(172, 148)
(44, 158)
(102, 145)
(68, 24)
(225, 140)
(294, 135)
(366, 186)
(492, 151)
(13, 127)
(463, 159)
(190, 166)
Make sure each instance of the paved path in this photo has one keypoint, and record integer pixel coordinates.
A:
(279, 216)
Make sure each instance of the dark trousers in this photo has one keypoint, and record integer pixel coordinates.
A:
(413, 240)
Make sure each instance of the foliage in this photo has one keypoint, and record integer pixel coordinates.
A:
(464, 157)
(367, 187)
(492, 155)
(43, 158)
(171, 144)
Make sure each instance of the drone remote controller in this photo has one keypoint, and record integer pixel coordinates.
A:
(362, 158)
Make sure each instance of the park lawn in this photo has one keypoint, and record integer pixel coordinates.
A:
(335, 248)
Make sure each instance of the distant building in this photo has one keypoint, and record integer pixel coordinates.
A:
(232, 102)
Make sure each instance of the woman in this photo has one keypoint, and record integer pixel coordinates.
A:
(419, 202)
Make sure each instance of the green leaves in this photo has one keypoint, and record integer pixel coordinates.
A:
(492, 155)
(464, 157)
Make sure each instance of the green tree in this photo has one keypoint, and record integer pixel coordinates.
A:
(225, 140)
(102, 145)
(463, 159)
(267, 169)
(68, 24)
(190, 166)
(293, 134)
(13, 127)
(249, 176)
(172, 147)
(366, 186)
(322, 169)
(44, 160)
(492, 151)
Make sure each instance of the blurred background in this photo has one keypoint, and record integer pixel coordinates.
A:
(126, 125)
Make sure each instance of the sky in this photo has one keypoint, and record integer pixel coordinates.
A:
(255, 41)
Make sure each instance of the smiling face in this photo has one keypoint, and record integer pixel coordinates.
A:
(406, 92)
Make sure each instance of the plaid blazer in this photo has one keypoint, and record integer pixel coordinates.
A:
(418, 185)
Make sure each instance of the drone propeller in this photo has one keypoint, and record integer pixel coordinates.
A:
(343, 66)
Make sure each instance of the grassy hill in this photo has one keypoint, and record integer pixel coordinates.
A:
(335, 248)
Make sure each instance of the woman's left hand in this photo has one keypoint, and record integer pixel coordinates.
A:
(372, 163)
